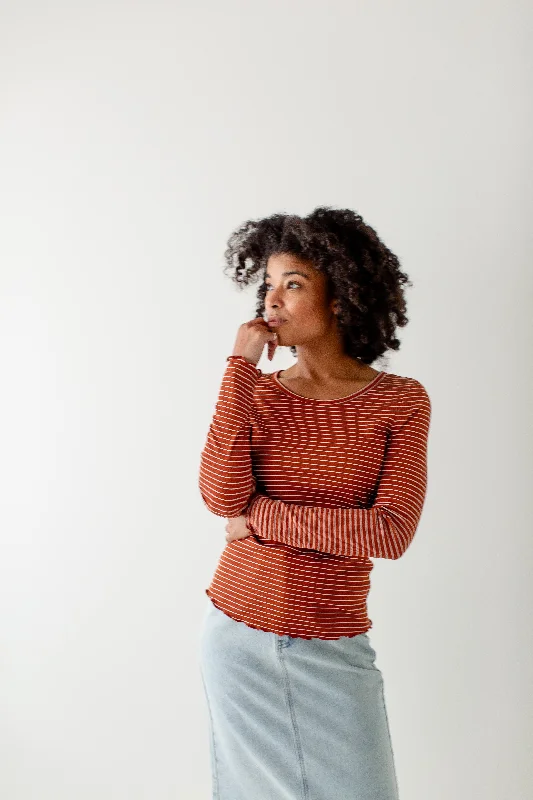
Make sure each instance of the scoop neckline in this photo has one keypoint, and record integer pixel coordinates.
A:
(369, 385)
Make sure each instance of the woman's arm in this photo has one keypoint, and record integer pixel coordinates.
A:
(226, 480)
(383, 531)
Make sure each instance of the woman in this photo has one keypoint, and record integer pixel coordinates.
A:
(318, 468)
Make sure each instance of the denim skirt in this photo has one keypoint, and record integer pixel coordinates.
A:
(292, 718)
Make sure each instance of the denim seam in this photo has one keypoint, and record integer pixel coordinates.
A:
(305, 795)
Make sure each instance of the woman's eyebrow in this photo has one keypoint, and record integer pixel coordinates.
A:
(291, 272)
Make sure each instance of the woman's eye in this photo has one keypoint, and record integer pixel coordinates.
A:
(268, 286)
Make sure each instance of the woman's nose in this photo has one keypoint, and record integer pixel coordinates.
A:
(273, 299)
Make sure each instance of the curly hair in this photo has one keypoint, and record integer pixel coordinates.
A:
(361, 272)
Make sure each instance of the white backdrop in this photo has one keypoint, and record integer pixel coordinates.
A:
(135, 136)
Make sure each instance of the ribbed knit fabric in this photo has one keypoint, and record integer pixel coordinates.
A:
(325, 485)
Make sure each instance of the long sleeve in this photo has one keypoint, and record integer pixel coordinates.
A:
(386, 529)
(226, 481)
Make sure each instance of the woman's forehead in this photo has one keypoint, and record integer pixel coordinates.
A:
(283, 264)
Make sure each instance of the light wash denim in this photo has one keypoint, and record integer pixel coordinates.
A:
(292, 718)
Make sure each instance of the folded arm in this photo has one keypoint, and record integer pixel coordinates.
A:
(384, 530)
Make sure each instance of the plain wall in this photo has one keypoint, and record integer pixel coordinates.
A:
(134, 138)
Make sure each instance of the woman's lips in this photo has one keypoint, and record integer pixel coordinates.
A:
(276, 322)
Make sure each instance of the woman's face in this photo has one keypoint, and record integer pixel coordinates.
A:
(296, 293)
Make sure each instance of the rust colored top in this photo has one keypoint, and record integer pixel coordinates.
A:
(326, 485)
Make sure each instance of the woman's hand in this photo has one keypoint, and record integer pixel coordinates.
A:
(251, 339)
(237, 529)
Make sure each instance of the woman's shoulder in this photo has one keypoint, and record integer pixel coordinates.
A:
(405, 389)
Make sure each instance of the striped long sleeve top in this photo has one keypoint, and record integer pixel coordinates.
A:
(325, 486)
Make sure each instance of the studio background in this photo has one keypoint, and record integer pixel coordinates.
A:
(134, 137)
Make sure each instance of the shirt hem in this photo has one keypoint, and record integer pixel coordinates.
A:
(251, 625)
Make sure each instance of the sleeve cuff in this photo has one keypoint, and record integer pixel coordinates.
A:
(243, 360)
